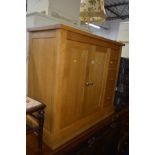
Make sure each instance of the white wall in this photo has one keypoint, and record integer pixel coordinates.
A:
(37, 5)
(114, 28)
(69, 9)
(124, 31)
(66, 8)
(123, 36)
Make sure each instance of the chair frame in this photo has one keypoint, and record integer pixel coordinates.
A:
(39, 117)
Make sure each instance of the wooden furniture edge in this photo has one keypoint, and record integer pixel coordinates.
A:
(72, 29)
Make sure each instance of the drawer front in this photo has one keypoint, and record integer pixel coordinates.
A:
(108, 102)
(112, 74)
(113, 63)
(109, 95)
(110, 84)
(114, 55)
(111, 79)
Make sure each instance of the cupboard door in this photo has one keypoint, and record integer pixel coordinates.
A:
(95, 79)
(73, 79)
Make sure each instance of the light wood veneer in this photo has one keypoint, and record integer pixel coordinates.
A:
(74, 73)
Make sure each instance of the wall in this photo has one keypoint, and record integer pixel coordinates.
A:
(66, 8)
(114, 28)
(124, 31)
(123, 35)
(69, 9)
(37, 5)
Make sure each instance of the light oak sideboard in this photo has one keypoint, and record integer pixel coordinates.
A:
(74, 73)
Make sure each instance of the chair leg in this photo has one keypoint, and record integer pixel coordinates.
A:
(41, 123)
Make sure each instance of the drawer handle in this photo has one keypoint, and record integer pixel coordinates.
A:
(89, 83)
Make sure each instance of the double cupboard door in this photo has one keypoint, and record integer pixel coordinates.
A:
(83, 81)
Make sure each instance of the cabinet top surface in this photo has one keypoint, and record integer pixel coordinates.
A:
(72, 29)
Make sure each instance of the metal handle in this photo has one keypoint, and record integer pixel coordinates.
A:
(89, 83)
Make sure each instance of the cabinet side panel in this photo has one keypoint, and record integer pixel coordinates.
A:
(41, 81)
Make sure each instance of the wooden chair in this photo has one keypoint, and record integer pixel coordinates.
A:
(35, 110)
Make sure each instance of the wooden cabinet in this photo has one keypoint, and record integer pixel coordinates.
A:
(74, 73)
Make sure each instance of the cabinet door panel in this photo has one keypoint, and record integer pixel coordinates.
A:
(95, 80)
(73, 79)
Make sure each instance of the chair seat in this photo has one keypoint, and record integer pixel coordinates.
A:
(33, 105)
